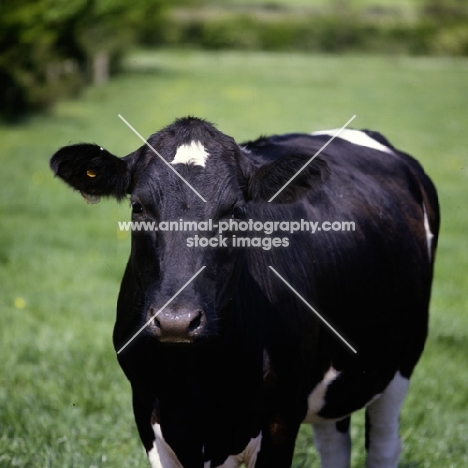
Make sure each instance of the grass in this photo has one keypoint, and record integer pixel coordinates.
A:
(64, 401)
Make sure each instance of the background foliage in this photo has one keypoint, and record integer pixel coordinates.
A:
(50, 49)
(430, 27)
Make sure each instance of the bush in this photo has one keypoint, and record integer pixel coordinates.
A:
(237, 32)
(50, 49)
(330, 33)
(451, 40)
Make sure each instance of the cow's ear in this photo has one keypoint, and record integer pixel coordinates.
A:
(267, 180)
(93, 171)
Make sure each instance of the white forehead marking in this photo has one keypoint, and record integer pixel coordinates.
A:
(194, 153)
(356, 137)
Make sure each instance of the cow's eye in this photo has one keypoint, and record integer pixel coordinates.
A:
(137, 208)
(238, 212)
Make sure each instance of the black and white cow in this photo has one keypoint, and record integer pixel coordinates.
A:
(232, 367)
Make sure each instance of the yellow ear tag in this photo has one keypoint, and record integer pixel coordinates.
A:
(90, 173)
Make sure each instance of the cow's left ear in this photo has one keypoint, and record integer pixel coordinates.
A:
(93, 171)
(267, 180)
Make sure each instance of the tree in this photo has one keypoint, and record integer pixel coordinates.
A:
(50, 48)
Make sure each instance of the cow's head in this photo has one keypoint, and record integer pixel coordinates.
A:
(161, 262)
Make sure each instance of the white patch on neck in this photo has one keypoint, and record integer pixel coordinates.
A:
(194, 153)
(356, 137)
(316, 399)
(429, 235)
(162, 455)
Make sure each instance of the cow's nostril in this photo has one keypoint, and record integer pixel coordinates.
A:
(196, 321)
(157, 323)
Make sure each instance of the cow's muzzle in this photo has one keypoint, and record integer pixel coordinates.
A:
(177, 326)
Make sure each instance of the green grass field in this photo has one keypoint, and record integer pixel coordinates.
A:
(64, 401)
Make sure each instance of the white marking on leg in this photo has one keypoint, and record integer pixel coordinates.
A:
(207, 464)
(248, 457)
(153, 457)
(334, 446)
(358, 138)
(162, 455)
(193, 153)
(316, 399)
(429, 235)
(384, 441)
(250, 453)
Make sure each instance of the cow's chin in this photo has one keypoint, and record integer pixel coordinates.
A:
(184, 342)
(177, 341)
(206, 342)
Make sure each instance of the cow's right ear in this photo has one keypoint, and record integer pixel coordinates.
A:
(93, 171)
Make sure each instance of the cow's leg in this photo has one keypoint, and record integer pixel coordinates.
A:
(333, 442)
(160, 455)
(248, 457)
(278, 439)
(382, 416)
(142, 413)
